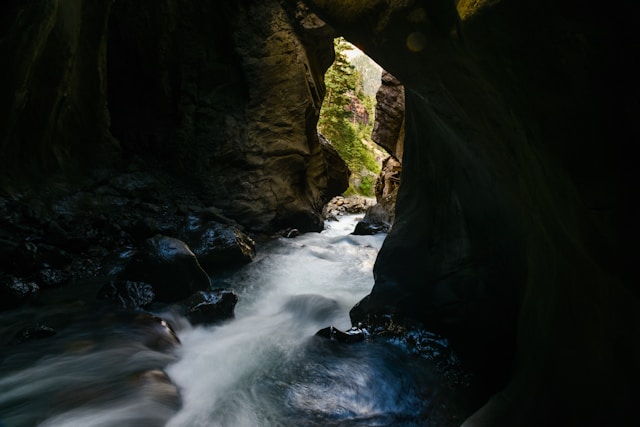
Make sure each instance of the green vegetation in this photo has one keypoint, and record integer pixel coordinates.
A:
(346, 119)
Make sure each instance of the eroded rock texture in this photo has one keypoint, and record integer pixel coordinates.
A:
(228, 94)
(514, 232)
(53, 110)
(388, 132)
(225, 95)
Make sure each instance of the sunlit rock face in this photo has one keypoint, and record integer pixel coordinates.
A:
(228, 94)
(514, 232)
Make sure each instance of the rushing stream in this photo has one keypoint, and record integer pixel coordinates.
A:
(265, 367)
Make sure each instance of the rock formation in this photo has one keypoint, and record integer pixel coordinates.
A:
(515, 231)
(388, 129)
(388, 132)
(53, 99)
(224, 95)
(229, 94)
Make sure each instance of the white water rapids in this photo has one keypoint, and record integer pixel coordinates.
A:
(263, 368)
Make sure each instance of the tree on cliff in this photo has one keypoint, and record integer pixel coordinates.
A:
(344, 85)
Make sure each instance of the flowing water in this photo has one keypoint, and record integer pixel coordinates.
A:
(265, 367)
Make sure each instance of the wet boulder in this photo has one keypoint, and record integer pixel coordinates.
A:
(375, 221)
(366, 228)
(157, 386)
(15, 291)
(217, 245)
(311, 306)
(335, 334)
(169, 266)
(211, 307)
(127, 294)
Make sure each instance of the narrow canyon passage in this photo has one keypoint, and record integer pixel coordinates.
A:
(264, 367)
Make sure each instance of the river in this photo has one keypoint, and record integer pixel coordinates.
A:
(265, 367)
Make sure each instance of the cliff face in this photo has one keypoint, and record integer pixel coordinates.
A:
(513, 232)
(388, 129)
(224, 95)
(53, 113)
(229, 94)
(388, 132)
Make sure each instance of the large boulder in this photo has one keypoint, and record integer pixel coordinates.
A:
(217, 245)
(210, 307)
(169, 266)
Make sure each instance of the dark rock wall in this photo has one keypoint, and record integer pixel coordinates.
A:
(388, 133)
(224, 95)
(514, 229)
(388, 129)
(53, 110)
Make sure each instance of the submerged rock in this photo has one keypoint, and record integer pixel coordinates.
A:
(33, 332)
(157, 385)
(311, 306)
(156, 333)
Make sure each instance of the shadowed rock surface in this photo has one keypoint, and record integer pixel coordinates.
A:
(388, 132)
(211, 306)
(388, 129)
(228, 95)
(169, 266)
(513, 233)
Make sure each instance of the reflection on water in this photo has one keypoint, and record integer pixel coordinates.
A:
(265, 367)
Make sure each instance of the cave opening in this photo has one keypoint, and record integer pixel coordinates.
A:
(362, 117)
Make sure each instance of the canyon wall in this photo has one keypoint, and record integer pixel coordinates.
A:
(53, 109)
(224, 96)
(514, 228)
